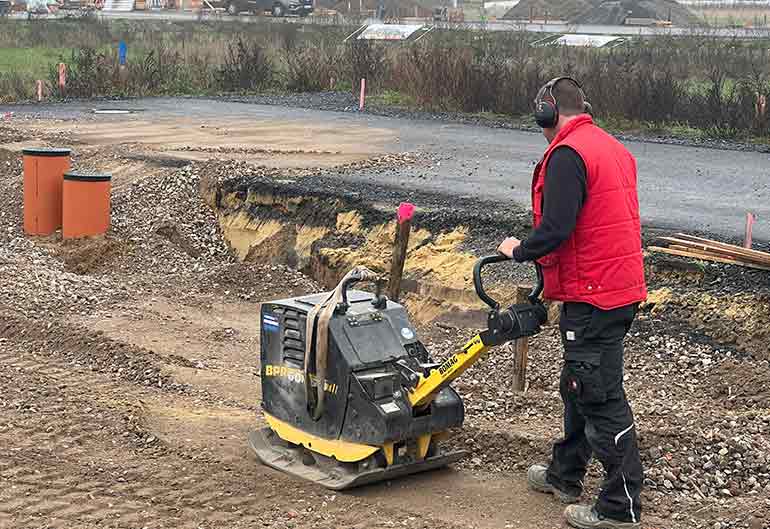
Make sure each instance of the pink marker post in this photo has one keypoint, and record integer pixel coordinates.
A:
(362, 99)
(39, 90)
(62, 76)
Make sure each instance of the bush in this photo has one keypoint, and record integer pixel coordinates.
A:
(311, 69)
(90, 73)
(367, 60)
(14, 87)
(246, 67)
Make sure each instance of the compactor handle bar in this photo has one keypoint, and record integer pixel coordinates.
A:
(379, 300)
(498, 258)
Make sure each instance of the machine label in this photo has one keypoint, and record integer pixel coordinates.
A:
(296, 376)
(443, 368)
(270, 322)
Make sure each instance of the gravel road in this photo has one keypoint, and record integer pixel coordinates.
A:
(680, 187)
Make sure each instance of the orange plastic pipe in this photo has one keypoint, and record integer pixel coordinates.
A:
(43, 173)
(85, 204)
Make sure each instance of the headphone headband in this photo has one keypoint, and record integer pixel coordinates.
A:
(550, 84)
(547, 109)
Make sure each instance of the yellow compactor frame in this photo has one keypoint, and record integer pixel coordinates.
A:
(421, 396)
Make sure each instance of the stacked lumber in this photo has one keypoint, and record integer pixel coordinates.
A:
(684, 245)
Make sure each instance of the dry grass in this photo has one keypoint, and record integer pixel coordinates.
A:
(735, 16)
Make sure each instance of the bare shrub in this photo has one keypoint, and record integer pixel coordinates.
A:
(367, 60)
(89, 74)
(14, 87)
(247, 66)
(311, 69)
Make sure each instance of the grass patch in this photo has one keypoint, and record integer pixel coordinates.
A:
(394, 98)
(34, 62)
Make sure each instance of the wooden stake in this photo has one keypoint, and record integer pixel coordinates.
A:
(520, 349)
(405, 214)
(749, 228)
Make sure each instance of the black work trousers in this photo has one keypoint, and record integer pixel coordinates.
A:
(597, 418)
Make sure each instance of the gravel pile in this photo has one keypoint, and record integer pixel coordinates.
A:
(35, 283)
(169, 224)
(246, 150)
(331, 101)
(390, 161)
(10, 133)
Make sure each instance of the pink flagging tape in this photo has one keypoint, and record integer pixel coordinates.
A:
(405, 212)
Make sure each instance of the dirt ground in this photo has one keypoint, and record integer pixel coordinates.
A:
(129, 365)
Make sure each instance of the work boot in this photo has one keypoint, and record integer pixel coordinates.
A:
(586, 517)
(536, 478)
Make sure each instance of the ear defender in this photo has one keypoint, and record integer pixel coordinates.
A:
(547, 108)
(546, 114)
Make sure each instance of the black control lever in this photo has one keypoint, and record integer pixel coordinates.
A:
(534, 296)
(499, 258)
(518, 320)
(409, 376)
(481, 263)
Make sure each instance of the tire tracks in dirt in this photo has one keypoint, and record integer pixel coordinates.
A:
(74, 452)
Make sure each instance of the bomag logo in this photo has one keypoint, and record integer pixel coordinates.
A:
(452, 360)
(296, 376)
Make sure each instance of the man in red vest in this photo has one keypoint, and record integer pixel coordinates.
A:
(587, 241)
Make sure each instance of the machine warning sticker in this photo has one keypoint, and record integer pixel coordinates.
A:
(390, 407)
(270, 322)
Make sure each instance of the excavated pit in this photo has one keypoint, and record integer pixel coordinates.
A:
(324, 235)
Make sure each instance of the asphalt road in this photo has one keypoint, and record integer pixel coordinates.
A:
(680, 187)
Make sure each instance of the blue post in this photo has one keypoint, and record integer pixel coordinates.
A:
(122, 50)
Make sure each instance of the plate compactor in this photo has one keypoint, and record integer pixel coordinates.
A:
(385, 405)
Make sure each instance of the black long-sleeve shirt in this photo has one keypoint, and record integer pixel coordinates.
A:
(563, 196)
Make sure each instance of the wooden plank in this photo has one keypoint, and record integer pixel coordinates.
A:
(706, 254)
(709, 248)
(520, 348)
(731, 247)
(705, 257)
(724, 247)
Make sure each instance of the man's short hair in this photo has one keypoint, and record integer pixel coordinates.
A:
(567, 95)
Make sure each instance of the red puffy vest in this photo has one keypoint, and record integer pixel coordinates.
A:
(601, 263)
